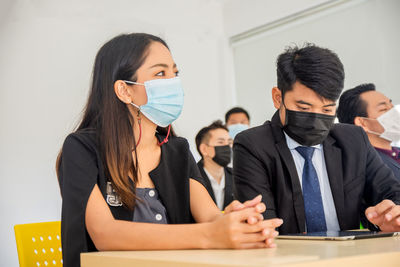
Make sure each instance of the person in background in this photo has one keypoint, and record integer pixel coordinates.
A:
(126, 184)
(312, 173)
(374, 112)
(214, 145)
(237, 119)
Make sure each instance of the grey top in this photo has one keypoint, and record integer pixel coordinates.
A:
(149, 208)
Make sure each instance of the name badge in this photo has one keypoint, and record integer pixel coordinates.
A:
(113, 199)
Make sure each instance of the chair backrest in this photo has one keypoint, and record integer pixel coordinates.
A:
(39, 244)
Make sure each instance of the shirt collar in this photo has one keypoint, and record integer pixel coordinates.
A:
(213, 179)
(292, 144)
(394, 152)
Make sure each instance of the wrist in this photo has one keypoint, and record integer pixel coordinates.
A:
(205, 237)
(218, 215)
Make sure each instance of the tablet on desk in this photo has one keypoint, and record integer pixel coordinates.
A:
(338, 235)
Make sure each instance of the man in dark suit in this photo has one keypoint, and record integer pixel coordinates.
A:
(312, 173)
(214, 145)
(374, 112)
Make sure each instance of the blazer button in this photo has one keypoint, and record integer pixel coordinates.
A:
(158, 217)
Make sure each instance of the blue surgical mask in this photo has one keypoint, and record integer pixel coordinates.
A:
(234, 129)
(164, 100)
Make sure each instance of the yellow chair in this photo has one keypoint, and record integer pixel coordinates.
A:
(39, 244)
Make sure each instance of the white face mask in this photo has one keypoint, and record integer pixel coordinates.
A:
(390, 122)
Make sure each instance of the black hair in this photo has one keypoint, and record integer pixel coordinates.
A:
(234, 111)
(351, 105)
(318, 68)
(118, 59)
(204, 134)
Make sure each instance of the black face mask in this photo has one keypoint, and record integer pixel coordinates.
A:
(222, 155)
(306, 128)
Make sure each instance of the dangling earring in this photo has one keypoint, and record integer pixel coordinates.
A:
(140, 127)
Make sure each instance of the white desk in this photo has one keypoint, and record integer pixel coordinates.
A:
(379, 252)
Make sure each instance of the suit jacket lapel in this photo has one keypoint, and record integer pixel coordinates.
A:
(334, 168)
(288, 161)
(389, 160)
(394, 163)
(228, 198)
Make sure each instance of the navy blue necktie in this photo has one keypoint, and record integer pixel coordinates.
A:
(313, 206)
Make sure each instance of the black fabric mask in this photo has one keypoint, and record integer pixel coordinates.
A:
(222, 155)
(307, 128)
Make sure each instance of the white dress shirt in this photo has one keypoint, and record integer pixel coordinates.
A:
(318, 160)
(218, 188)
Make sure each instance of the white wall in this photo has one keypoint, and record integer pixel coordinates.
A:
(364, 34)
(240, 16)
(244, 16)
(47, 50)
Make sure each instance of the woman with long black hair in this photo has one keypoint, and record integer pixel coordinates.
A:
(126, 183)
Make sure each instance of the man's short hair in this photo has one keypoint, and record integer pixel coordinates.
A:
(203, 136)
(234, 111)
(318, 68)
(351, 105)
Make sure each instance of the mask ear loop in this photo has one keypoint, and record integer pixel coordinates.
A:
(166, 138)
(286, 110)
(373, 132)
(138, 114)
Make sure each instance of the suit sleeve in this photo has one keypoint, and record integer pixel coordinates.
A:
(380, 181)
(251, 174)
(78, 175)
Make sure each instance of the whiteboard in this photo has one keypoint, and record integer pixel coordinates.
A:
(365, 35)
